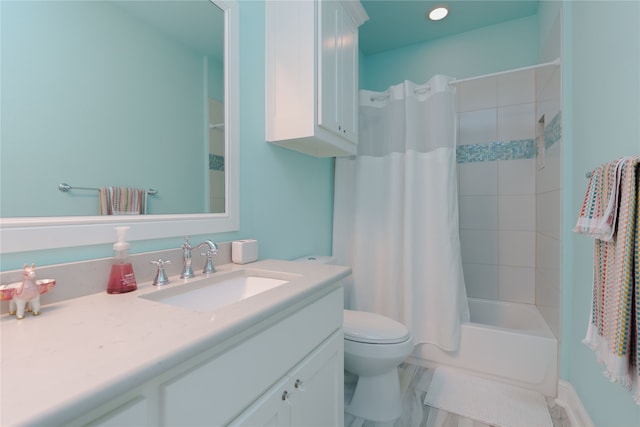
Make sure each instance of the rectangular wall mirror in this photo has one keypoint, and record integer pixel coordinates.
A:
(117, 94)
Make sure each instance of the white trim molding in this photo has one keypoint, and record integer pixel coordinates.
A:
(570, 401)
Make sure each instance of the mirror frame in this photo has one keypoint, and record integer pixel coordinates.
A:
(35, 233)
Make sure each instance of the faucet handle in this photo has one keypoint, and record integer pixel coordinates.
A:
(208, 266)
(161, 275)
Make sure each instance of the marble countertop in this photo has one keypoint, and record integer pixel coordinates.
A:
(84, 351)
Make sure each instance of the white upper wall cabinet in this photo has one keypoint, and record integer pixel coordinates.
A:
(312, 75)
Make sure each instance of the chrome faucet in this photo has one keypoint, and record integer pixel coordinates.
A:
(187, 270)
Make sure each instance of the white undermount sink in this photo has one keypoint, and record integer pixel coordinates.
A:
(219, 290)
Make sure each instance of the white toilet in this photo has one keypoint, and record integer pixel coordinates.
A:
(374, 347)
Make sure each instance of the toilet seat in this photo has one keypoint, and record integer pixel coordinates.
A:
(372, 328)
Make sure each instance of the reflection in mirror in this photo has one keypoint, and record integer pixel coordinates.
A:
(112, 94)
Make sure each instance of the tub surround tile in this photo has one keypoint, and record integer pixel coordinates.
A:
(553, 131)
(516, 248)
(551, 315)
(548, 301)
(479, 246)
(550, 177)
(548, 252)
(511, 150)
(548, 78)
(549, 102)
(517, 212)
(548, 211)
(516, 177)
(514, 140)
(216, 162)
(516, 284)
(478, 212)
(548, 288)
(508, 108)
(477, 179)
(481, 280)
(516, 122)
(477, 127)
(478, 95)
(516, 88)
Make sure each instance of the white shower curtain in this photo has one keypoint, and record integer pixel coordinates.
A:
(396, 212)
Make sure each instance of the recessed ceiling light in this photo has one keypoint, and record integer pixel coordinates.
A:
(438, 13)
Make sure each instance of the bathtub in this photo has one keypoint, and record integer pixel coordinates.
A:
(509, 342)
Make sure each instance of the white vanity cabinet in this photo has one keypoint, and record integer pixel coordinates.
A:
(310, 395)
(312, 75)
(297, 352)
(132, 413)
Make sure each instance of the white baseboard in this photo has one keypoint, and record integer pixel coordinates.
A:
(569, 400)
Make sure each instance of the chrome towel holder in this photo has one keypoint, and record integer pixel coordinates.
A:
(64, 187)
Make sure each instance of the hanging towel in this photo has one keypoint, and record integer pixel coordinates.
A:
(122, 201)
(600, 207)
(613, 327)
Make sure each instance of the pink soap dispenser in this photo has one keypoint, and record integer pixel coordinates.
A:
(122, 279)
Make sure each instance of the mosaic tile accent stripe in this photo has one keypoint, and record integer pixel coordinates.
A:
(553, 131)
(511, 150)
(216, 163)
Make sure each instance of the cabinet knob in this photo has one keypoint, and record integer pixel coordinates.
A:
(298, 384)
(285, 395)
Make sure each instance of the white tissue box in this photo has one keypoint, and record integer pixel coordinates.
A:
(244, 251)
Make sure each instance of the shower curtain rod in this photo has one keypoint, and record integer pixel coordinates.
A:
(555, 62)
(425, 88)
(385, 95)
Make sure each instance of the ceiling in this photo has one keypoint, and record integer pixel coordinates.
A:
(397, 23)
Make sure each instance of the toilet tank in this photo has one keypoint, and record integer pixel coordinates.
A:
(347, 282)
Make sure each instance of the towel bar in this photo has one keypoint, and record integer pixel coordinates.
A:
(66, 187)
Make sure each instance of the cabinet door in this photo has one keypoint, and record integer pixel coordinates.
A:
(337, 69)
(270, 410)
(317, 384)
(330, 15)
(348, 87)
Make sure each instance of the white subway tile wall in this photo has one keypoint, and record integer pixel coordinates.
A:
(516, 122)
(484, 280)
(516, 88)
(477, 95)
(478, 127)
(509, 210)
(548, 201)
(478, 179)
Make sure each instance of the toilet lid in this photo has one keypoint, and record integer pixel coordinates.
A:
(373, 328)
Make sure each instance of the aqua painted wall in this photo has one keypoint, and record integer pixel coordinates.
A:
(601, 81)
(487, 50)
(286, 198)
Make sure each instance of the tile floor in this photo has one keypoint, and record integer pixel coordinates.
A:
(414, 383)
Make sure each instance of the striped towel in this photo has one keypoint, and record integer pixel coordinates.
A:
(614, 322)
(600, 207)
(122, 201)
